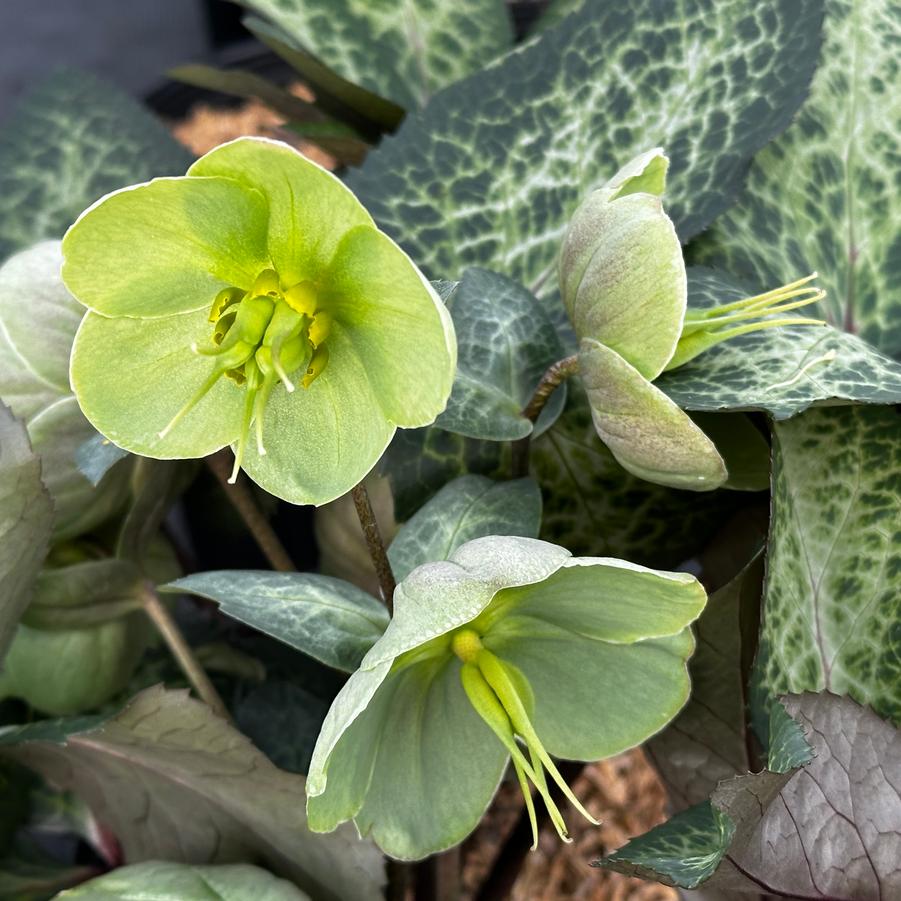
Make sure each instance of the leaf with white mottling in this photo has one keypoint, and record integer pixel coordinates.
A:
(469, 507)
(404, 52)
(782, 371)
(489, 174)
(331, 620)
(73, 139)
(824, 195)
(174, 781)
(505, 342)
(831, 604)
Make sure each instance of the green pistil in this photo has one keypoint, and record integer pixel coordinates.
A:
(259, 338)
(705, 328)
(500, 695)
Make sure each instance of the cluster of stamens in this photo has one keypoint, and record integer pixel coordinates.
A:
(502, 697)
(260, 337)
(704, 328)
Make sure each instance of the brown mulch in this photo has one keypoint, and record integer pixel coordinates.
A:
(623, 792)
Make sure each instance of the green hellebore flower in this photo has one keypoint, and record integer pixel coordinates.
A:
(253, 302)
(623, 282)
(510, 649)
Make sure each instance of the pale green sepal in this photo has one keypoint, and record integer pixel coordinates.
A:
(602, 599)
(647, 433)
(172, 881)
(645, 173)
(397, 324)
(437, 767)
(309, 208)
(439, 597)
(352, 701)
(642, 687)
(322, 440)
(621, 268)
(131, 401)
(166, 246)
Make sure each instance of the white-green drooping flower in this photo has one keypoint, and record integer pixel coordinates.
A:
(623, 282)
(511, 649)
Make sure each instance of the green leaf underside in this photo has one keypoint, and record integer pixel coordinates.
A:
(204, 794)
(743, 447)
(329, 619)
(72, 140)
(404, 54)
(505, 343)
(490, 173)
(823, 195)
(469, 507)
(646, 432)
(181, 882)
(594, 507)
(26, 518)
(781, 371)
(35, 343)
(96, 456)
(831, 605)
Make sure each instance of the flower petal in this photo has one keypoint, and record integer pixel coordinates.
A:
(322, 440)
(309, 208)
(594, 699)
(647, 433)
(436, 768)
(164, 247)
(621, 269)
(401, 330)
(131, 376)
(602, 598)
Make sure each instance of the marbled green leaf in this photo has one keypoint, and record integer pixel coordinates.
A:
(331, 620)
(469, 507)
(824, 195)
(181, 882)
(491, 171)
(505, 342)
(683, 851)
(831, 602)
(780, 370)
(402, 53)
(72, 140)
(420, 461)
(174, 781)
(26, 518)
(594, 507)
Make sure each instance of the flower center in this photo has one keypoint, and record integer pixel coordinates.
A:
(704, 328)
(260, 337)
(501, 695)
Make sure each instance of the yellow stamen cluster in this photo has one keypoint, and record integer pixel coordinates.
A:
(501, 695)
(260, 337)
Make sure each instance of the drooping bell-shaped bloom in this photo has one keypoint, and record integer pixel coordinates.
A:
(509, 650)
(623, 282)
(253, 302)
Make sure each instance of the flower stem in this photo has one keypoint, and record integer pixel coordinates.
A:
(242, 500)
(556, 374)
(375, 544)
(181, 651)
